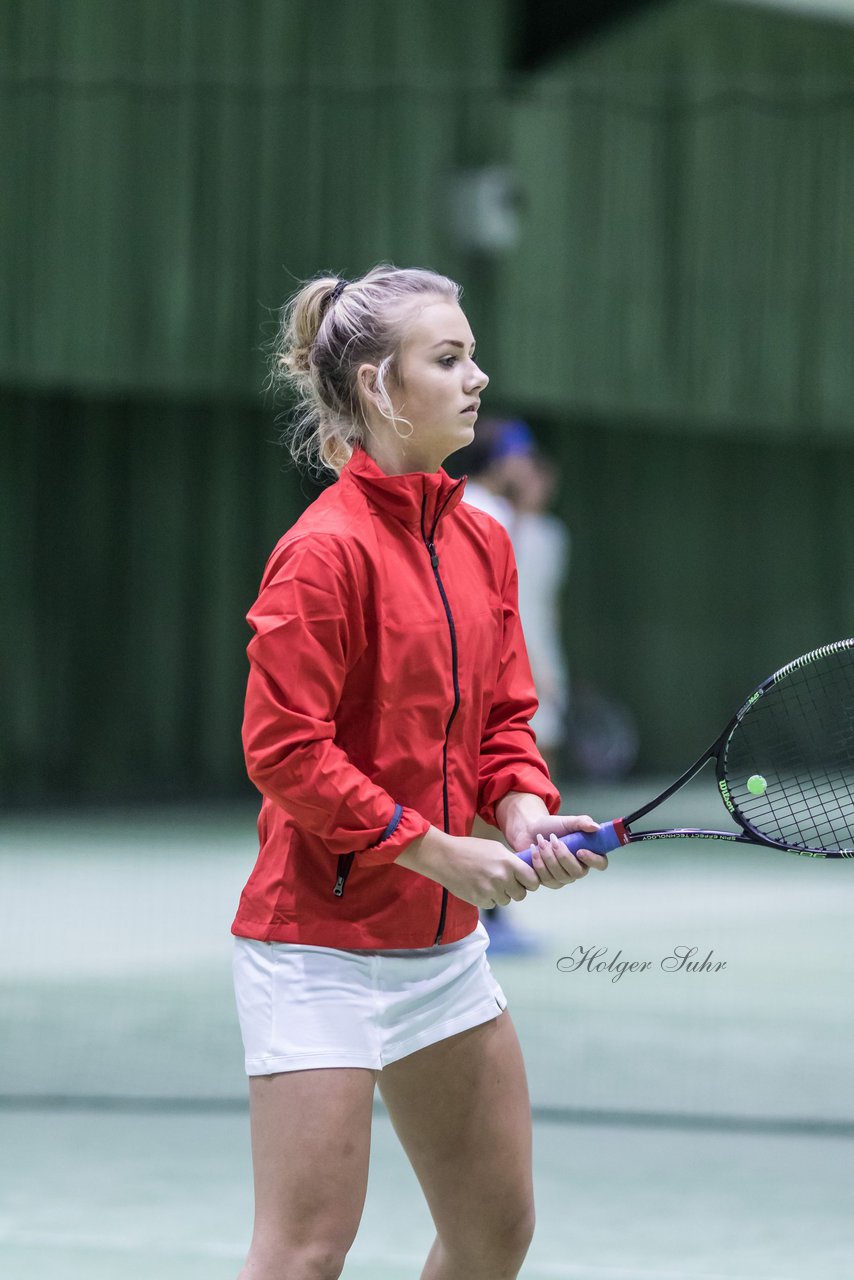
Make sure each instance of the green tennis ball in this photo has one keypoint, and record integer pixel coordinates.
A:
(756, 784)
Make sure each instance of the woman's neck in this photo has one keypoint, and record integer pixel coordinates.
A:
(392, 458)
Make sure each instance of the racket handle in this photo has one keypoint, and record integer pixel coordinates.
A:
(609, 836)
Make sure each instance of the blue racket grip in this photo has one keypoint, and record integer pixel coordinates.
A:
(608, 837)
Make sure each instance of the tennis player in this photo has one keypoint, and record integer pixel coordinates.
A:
(388, 702)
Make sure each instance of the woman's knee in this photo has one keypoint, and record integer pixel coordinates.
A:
(284, 1260)
(513, 1233)
(493, 1245)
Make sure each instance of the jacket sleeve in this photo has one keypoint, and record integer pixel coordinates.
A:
(308, 631)
(509, 759)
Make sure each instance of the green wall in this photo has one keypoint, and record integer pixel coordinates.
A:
(688, 256)
(676, 322)
(178, 167)
(134, 535)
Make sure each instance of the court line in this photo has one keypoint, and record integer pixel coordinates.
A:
(595, 1271)
(567, 1271)
(120, 1243)
(684, 1121)
(805, 1126)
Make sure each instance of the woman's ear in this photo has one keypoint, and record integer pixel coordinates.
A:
(366, 382)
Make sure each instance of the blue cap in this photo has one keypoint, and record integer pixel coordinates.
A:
(513, 437)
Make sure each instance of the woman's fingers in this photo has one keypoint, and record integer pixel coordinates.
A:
(516, 892)
(554, 863)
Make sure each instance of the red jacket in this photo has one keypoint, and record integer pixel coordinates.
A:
(389, 689)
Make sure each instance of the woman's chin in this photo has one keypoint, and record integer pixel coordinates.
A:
(464, 438)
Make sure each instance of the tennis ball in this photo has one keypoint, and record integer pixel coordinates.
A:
(756, 784)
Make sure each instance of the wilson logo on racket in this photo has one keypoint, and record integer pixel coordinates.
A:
(724, 790)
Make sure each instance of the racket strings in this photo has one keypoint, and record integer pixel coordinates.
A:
(815, 793)
(799, 736)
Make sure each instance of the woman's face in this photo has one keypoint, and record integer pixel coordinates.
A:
(437, 390)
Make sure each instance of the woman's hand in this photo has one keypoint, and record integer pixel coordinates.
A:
(550, 858)
(481, 872)
(526, 823)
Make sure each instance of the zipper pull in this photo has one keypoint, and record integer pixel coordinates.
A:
(434, 557)
(339, 887)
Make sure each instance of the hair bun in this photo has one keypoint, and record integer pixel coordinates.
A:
(297, 360)
(306, 317)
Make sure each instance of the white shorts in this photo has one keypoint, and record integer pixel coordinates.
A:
(302, 1007)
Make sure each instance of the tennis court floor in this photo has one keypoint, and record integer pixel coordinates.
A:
(101, 1197)
(690, 1125)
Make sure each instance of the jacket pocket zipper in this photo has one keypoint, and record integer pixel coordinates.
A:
(345, 862)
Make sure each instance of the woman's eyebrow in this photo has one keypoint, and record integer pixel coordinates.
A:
(453, 342)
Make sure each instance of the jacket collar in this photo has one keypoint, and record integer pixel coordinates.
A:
(419, 499)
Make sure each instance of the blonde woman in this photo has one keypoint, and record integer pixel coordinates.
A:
(388, 702)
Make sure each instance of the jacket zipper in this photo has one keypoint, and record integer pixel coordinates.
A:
(434, 561)
(345, 862)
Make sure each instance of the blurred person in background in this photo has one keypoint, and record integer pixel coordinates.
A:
(511, 479)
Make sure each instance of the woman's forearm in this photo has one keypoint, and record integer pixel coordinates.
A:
(515, 813)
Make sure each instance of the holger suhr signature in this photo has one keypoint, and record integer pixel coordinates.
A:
(682, 959)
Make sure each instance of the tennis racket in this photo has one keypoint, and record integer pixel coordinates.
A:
(784, 766)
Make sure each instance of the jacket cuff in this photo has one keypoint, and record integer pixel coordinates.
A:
(405, 825)
(525, 778)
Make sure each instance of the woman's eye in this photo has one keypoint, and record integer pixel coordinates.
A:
(447, 361)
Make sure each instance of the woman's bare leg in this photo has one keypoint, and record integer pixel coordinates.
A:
(461, 1111)
(311, 1137)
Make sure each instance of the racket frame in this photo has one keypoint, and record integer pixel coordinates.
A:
(748, 833)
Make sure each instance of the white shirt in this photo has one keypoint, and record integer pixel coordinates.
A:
(541, 546)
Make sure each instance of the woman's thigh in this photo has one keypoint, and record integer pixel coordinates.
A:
(462, 1113)
(311, 1137)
